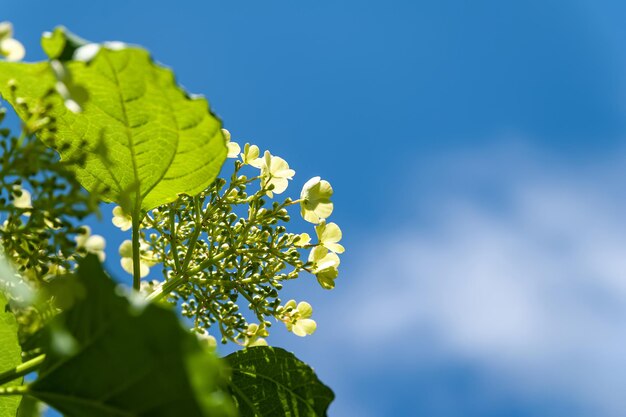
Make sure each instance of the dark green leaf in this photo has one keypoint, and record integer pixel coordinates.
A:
(269, 381)
(126, 360)
(30, 407)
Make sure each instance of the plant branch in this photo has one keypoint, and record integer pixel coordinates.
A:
(22, 369)
(136, 254)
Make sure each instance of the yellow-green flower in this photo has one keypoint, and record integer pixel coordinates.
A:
(274, 171)
(250, 153)
(11, 49)
(94, 244)
(325, 264)
(121, 219)
(315, 204)
(329, 235)
(146, 258)
(233, 147)
(21, 198)
(303, 240)
(297, 318)
(207, 340)
(254, 336)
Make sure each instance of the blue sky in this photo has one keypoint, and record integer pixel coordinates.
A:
(476, 152)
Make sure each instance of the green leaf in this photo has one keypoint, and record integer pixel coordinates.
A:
(269, 381)
(30, 407)
(145, 139)
(115, 358)
(10, 356)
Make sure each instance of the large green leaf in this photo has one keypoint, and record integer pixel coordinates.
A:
(113, 358)
(30, 407)
(10, 356)
(269, 381)
(145, 139)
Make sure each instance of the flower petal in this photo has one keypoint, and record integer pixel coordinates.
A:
(303, 240)
(6, 30)
(23, 200)
(331, 233)
(326, 278)
(280, 184)
(126, 249)
(233, 149)
(95, 244)
(127, 264)
(258, 342)
(304, 327)
(305, 309)
(250, 154)
(12, 49)
(335, 247)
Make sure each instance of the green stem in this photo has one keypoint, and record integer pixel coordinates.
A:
(20, 140)
(174, 236)
(194, 237)
(22, 369)
(19, 390)
(136, 254)
(169, 286)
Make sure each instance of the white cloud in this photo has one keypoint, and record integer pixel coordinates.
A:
(526, 279)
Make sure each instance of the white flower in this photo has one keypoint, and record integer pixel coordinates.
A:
(148, 287)
(121, 219)
(250, 153)
(297, 318)
(254, 336)
(207, 340)
(325, 264)
(303, 240)
(315, 203)
(10, 49)
(146, 258)
(274, 171)
(21, 198)
(233, 147)
(329, 235)
(94, 244)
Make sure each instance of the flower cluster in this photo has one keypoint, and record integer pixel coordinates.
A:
(229, 244)
(42, 207)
